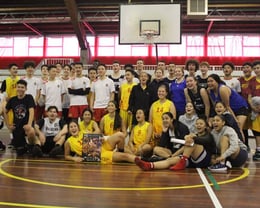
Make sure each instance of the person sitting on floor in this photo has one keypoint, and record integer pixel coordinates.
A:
(51, 132)
(229, 147)
(171, 128)
(140, 136)
(74, 145)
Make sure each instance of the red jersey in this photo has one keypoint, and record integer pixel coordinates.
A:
(254, 86)
(244, 83)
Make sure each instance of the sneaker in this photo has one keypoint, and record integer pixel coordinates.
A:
(21, 150)
(155, 158)
(57, 150)
(218, 168)
(143, 165)
(256, 156)
(228, 164)
(181, 165)
(37, 151)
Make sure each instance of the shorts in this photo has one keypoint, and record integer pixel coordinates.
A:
(75, 111)
(202, 161)
(242, 111)
(99, 113)
(240, 159)
(256, 133)
(106, 154)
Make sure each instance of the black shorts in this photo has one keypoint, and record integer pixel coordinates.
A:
(240, 159)
(256, 133)
(242, 111)
(48, 145)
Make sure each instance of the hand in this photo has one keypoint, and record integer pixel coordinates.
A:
(220, 158)
(77, 159)
(11, 127)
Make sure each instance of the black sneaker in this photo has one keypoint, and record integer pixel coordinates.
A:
(21, 150)
(256, 156)
(156, 158)
(37, 151)
(2, 146)
(57, 150)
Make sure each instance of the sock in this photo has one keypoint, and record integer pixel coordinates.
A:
(258, 149)
(144, 165)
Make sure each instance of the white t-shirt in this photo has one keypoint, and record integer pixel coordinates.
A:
(233, 84)
(33, 85)
(78, 83)
(102, 89)
(53, 90)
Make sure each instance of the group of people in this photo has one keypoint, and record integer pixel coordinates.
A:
(143, 117)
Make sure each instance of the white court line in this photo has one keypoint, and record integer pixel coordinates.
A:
(211, 193)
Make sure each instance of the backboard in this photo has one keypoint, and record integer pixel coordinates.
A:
(163, 21)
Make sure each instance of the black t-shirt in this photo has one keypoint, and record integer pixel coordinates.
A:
(180, 131)
(20, 108)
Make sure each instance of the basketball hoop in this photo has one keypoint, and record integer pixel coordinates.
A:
(149, 35)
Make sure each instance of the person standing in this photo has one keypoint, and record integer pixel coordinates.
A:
(78, 89)
(102, 91)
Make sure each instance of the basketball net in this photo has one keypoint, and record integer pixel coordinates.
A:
(148, 36)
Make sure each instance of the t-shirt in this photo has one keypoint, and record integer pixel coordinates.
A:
(20, 108)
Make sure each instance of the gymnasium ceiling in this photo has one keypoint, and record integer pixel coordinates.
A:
(98, 17)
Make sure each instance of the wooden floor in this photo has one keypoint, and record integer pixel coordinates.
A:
(28, 182)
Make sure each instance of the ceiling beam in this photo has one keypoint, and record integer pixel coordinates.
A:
(32, 28)
(72, 8)
(89, 27)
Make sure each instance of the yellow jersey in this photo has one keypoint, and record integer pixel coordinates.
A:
(86, 129)
(11, 86)
(125, 94)
(140, 133)
(158, 109)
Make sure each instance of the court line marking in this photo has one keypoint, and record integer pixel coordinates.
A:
(29, 205)
(211, 193)
(244, 175)
(212, 179)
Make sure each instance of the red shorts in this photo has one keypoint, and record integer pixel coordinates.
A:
(75, 111)
(99, 113)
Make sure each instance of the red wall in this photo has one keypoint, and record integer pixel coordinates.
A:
(5, 61)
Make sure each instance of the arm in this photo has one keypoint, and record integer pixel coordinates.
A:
(131, 100)
(173, 110)
(225, 93)
(96, 129)
(39, 133)
(205, 97)
(31, 116)
(67, 155)
(9, 124)
(112, 96)
(92, 98)
(187, 97)
(101, 125)
(61, 133)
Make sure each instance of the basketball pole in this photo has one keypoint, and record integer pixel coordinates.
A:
(156, 52)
